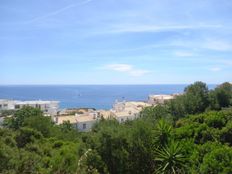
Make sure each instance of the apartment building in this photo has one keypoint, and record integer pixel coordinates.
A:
(49, 108)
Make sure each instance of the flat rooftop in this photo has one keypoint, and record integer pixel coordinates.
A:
(35, 102)
(137, 103)
(161, 96)
(75, 119)
(126, 112)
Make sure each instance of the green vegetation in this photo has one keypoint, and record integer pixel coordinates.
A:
(4, 113)
(190, 134)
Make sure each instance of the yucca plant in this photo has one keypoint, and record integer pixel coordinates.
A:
(170, 159)
(162, 132)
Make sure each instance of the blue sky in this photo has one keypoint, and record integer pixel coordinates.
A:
(115, 41)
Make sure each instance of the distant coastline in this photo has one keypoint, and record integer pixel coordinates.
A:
(88, 96)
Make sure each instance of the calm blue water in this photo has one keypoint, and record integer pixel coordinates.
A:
(94, 96)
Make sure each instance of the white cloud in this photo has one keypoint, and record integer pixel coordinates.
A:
(120, 67)
(135, 28)
(215, 69)
(183, 54)
(209, 44)
(126, 68)
(54, 13)
(218, 45)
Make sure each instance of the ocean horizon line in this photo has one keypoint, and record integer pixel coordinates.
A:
(100, 84)
(94, 96)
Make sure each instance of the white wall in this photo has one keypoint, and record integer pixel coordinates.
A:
(88, 125)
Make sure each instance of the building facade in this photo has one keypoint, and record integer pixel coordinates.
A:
(124, 111)
(50, 108)
(159, 99)
(82, 122)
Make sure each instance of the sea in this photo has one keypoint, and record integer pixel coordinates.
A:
(88, 96)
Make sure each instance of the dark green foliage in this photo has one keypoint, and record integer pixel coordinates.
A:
(39, 123)
(9, 158)
(19, 117)
(4, 113)
(113, 148)
(28, 162)
(196, 98)
(27, 135)
(221, 97)
(66, 126)
(141, 147)
(177, 107)
(209, 126)
(65, 159)
(156, 113)
(219, 160)
(226, 133)
(211, 157)
(91, 163)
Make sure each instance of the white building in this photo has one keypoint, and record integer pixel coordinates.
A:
(123, 111)
(128, 114)
(82, 122)
(48, 107)
(6, 104)
(160, 99)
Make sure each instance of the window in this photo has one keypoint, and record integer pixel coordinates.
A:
(122, 120)
(84, 126)
(5, 105)
(0, 106)
(38, 106)
(17, 106)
